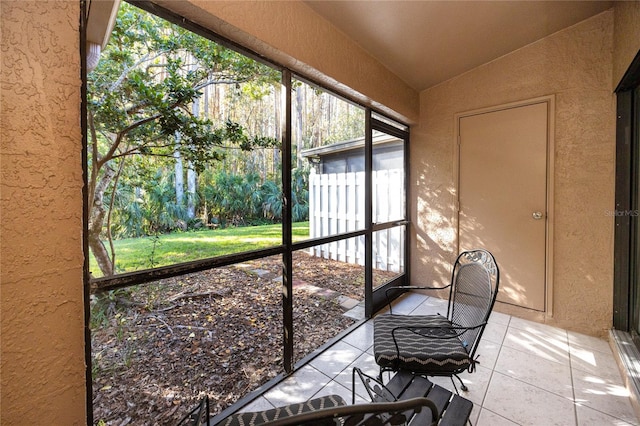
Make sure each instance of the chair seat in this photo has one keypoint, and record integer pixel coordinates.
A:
(258, 418)
(418, 353)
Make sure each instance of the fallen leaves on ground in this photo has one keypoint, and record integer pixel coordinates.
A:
(217, 332)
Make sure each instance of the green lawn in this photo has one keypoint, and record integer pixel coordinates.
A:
(142, 253)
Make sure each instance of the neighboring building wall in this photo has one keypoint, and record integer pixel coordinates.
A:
(42, 355)
(293, 34)
(626, 37)
(576, 66)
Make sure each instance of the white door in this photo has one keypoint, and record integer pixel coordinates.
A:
(502, 196)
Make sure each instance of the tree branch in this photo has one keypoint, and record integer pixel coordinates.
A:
(116, 84)
(141, 106)
(121, 135)
(133, 151)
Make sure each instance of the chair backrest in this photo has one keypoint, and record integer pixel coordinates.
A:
(474, 287)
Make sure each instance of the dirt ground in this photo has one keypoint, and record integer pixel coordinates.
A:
(159, 348)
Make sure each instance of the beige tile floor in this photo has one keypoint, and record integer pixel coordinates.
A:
(529, 374)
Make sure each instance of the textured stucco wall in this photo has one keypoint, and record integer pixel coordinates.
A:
(575, 65)
(294, 35)
(626, 37)
(41, 206)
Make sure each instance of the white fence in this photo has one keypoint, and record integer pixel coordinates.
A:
(336, 205)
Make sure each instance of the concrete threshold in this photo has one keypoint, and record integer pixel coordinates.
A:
(627, 356)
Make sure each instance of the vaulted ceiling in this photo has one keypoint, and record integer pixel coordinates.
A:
(428, 42)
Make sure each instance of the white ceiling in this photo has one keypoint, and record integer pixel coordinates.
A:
(426, 42)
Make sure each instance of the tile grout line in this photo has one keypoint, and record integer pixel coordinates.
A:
(493, 370)
(573, 383)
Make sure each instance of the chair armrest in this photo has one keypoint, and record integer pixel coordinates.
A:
(388, 413)
(456, 331)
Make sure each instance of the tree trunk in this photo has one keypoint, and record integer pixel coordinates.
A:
(275, 160)
(101, 254)
(299, 124)
(179, 173)
(191, 173)
(96, 223)
(191, 192)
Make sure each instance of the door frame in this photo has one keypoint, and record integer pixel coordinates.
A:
(378, 298)
(625, 269)
(455, 219)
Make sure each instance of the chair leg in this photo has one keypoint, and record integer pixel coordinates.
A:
(463, 387)
(385, 370)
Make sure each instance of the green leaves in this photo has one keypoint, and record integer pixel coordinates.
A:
(236, 197)
(160, 93)
(151, 73)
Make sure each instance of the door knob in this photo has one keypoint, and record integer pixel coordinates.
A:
(537, 215)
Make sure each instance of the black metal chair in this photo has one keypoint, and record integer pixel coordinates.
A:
(434, 345)
(446, 409)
